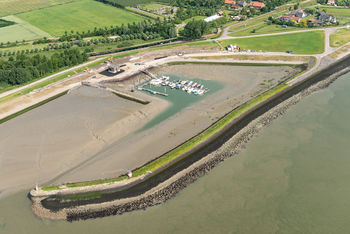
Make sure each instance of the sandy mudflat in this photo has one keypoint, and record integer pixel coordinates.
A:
(47, 141)
(136, 149)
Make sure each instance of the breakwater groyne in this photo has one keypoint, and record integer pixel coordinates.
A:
(116, 92)
(166, 182)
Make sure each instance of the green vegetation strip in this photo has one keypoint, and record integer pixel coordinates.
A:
(83, 196)
(171, 156)
(31, 107)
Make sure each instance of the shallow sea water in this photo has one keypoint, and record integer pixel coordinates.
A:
(293, 177)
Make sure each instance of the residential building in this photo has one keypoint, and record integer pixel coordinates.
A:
(242, 3)
(235, 7)
(299, 13)
(327, 18)
(230, 2)
(257, 5)
(212, 18)
(331, 3)
(315, 22)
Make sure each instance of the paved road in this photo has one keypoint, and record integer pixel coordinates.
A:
(46, 78)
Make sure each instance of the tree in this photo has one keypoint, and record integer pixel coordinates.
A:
(172, 32)
(195, 29)
(303, 23)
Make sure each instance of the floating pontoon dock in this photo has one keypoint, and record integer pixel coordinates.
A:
(152, 91)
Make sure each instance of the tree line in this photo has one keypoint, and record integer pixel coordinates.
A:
(165, 29)
(23, 68)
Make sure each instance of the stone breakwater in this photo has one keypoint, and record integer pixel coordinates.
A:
(230, 148)
(181, 179)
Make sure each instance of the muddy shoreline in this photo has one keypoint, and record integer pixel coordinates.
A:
(241, 129)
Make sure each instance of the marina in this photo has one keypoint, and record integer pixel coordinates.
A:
(188, 86)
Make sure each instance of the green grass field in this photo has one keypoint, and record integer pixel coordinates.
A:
(300, 43)
(20, 31)
(12, 7)
(339, 38)
(78, 16)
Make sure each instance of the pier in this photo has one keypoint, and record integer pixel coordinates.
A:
(153, 92)
(149, 74)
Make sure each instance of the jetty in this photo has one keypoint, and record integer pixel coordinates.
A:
(152, 91)
(149, 74)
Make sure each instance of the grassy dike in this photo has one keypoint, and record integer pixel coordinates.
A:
(172, 156)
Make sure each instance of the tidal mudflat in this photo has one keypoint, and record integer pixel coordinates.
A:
(45, 142)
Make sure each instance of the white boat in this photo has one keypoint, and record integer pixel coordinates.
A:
(165, 77)
(156, 82)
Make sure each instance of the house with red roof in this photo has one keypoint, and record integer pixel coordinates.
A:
(257, 5)
(230, 2)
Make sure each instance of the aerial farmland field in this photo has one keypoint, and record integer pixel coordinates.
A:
(11, 7)
(20, 31)
(78, 16)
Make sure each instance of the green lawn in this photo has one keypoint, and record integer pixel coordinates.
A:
(20, 31)
(339, 38)
(300, 43)
(78, 16)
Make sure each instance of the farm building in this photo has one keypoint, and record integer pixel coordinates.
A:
(212, 18)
